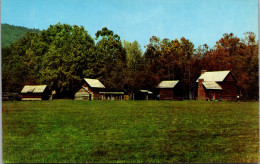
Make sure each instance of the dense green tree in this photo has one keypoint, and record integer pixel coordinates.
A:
(152, 55)
(15, 70)
(112, 59)
(133, 54)
(135, 65)
(69, 58)
(60, 56)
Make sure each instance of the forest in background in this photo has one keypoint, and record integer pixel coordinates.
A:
(11, 33)
(63, 55)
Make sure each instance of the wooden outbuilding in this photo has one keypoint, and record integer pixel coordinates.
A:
(144, 95)
(112, 95)
(90, 90)
(34, 92)
(217, 85)
(170, 90)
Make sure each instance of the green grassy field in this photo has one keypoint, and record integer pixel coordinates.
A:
(68, 131)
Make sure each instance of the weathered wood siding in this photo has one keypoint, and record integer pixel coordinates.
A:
(95, 95)
(166, 94)
(34, 96)
(171, 93)
(82, 94)
(229, 88)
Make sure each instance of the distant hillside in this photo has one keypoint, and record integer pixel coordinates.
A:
(11, 33)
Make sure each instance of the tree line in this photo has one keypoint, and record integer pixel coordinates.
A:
(63, 55)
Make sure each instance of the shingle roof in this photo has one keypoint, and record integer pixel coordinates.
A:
(168, 84)
(94, 83)
(146, 91)
(217, 76)
(33, 88)
(211, 85)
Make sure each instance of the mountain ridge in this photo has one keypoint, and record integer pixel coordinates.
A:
(12, 33)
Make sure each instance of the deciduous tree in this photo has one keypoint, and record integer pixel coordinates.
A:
(112, 58)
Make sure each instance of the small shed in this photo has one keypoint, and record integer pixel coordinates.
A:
(169, 90)
(144, 95)
(217, 85)
(90, 90)
(34, 92)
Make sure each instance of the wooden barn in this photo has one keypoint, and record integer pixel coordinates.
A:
(170, 90)
(217, 85)
(90, 90)
(34, 92)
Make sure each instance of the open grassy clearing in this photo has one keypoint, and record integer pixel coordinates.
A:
(70, 131)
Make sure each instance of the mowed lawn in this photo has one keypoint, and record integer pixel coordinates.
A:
(67, 131)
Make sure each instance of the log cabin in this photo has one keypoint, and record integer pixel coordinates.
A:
(169, 90)
(217, 85)
(90, 90)
(34, 92)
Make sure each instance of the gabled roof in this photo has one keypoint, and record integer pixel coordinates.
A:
(211, 85)
(146, 91)
(94, 83)
(168, 84)
(217, 76)
(33, 88)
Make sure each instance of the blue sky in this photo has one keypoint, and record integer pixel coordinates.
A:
(200, 21)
